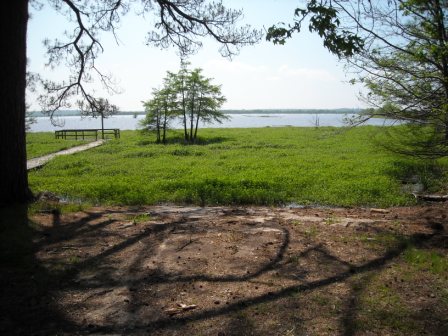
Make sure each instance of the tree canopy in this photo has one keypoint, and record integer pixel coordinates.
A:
(99, 107)
(398, 50)
(188, 96)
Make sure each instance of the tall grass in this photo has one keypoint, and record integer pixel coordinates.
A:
(264, 166)
(39, 144)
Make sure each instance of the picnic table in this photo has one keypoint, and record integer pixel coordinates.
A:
(87, 133)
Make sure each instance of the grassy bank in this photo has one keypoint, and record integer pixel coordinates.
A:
(324, 166)
(39, 144)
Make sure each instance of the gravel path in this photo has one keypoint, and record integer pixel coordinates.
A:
(40, 161)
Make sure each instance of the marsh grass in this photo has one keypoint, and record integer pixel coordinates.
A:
(263, 166)
(39, 144)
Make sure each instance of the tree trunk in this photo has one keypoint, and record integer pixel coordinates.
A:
(164, 124)
(13, 172)
(191, 125)
(184, 108)
(102, 126)
(196, 128)
(442, 40)
(192, 119)
(158, 126)
(197, 120)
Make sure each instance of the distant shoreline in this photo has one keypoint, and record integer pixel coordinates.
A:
(67, 113)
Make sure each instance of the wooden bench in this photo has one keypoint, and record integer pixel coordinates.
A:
(87, 133)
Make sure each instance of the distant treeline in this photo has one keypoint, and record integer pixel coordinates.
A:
(67, 113)
(295, 111)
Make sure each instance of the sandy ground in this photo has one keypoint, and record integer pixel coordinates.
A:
(169, 270)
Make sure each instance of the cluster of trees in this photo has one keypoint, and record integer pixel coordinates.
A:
(186, 95)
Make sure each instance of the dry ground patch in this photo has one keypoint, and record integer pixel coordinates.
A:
(169, 270)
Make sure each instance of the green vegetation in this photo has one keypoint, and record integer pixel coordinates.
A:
(39, 144)
(235, 166)
(383, 309)
(387, 300)
(139, 218)
(397, 49)
(56, 207)
(188, 96)
(427, 260)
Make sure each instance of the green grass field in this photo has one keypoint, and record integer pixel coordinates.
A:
(263, 166)
(39, 144)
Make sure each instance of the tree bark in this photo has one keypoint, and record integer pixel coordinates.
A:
(197, 119)
(164, 124)
(13, 172)
(192, 118)
(184, 110)
(442, 40)
(158, 126)
(102, 126)
(196, 129)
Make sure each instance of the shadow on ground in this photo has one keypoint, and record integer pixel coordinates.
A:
(222, 271)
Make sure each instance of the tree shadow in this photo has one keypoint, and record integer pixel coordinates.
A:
(200, 141)
(178, 138)
(26, 287)
(397, 316)
(33, 288)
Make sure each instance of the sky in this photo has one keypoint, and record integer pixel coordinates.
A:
(299, 75)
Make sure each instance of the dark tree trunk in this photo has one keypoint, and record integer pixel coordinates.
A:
(164, 124)
(102, 126)
(185, 116)
(442, 40)
(13, 172)
(197, 120)
(158, 126)
(196, 128)
(192, 119)
(191, 125)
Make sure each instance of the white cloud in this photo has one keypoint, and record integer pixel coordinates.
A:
(283, 72)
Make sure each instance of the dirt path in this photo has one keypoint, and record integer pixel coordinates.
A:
(40, 161)
(169, 270)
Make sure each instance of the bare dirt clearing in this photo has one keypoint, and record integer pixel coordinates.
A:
(168, 270)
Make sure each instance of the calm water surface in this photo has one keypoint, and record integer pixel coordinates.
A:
(129, 122)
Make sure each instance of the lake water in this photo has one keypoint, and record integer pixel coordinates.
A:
(129, 122)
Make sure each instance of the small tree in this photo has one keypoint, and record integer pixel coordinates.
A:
(206, 105)
(100, 107)
(151, 122)
(187, 95)
(160, 110)
(200, 101)
(180, 81)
